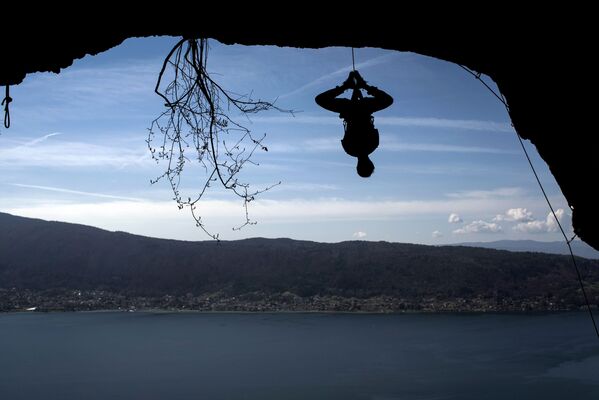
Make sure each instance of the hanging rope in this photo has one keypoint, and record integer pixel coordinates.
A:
(568, 241)
(353, 60)
(5, 103)
(477, 75)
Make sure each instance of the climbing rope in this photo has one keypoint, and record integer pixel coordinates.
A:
(5, 103)
(501, 98)
(353, 59)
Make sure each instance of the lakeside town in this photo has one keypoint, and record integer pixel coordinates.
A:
(14, 300)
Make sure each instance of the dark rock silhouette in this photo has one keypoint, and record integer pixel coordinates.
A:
(544, 72)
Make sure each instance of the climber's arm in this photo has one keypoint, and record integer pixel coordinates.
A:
(379, 99)
(329, 100)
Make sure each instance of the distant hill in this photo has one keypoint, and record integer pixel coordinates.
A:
(580, 248)
(38, 255)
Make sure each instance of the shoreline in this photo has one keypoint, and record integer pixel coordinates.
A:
(470, 313)
(69, 300)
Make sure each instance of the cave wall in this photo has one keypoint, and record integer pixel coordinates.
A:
(543, 69)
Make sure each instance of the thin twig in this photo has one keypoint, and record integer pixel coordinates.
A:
(197, 118)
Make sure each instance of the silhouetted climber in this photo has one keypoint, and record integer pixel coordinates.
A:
(361, 137)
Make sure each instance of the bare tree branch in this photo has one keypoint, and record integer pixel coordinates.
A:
(197, 119)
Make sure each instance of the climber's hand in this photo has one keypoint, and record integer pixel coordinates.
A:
(350, 82)
(360, 82)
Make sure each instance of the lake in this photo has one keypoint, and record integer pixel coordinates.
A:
(145, 355)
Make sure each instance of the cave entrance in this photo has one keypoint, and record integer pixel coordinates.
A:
(448, 167)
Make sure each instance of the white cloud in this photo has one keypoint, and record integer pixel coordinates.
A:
(97, 84)
(40, 139)
(454, 218)
(308, 146)
(503, 192)
(552, 225)
(297, 119)
(479, 227)
(425, 122)
(437, 234)
(387, 144)
(532, 227)
(289, 210)
(519, 214)
(43, 153)
(80, 93)
(467, 124)
(539, 226)
(359, 234)
(342, 71)
(299, 186)
(159, 218)
(77, 192)
(515, 215)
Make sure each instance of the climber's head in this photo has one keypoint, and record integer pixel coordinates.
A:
(365, 167)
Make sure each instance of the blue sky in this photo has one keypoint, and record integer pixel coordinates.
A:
(449, 168)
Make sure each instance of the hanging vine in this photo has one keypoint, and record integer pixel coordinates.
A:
(198, 120)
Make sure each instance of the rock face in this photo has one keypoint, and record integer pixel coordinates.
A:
(544, 72)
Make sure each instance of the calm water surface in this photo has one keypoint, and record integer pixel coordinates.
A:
(297, 356)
